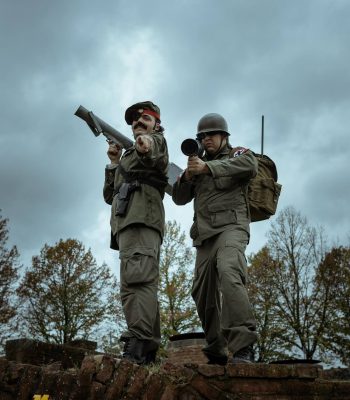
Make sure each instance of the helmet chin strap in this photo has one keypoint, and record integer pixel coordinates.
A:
(219, 149)
(222, 139)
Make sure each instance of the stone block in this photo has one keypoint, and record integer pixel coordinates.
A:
(137, 383)
(106, 369)
(202, 386)
(33, 352)
(155, 387)
(277, 371)
(120, 380)
(83, 344)
(97, 391)
(211, 370)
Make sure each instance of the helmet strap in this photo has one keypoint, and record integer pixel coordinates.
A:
(212, 156)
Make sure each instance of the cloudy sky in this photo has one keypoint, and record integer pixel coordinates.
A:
(288, 61)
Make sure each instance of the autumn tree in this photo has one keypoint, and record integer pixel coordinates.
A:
(333, 283)
(9, 266)
(297, 248)
(107, 333)
(65, 293)
(271, 343)
(177, 309)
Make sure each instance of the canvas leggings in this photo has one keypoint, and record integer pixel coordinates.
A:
(139, 274)
(220, 294)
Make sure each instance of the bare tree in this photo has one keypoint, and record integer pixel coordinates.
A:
(298, 249)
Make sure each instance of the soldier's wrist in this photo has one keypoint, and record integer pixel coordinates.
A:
(186, 176)
(206, 170)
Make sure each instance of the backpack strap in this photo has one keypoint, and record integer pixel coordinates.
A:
(235, 152)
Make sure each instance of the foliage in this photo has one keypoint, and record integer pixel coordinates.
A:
(9, 267)
(263, 296)
(65, 293)
(333, 282)
(177, 309)
(301, 293)
(107, 334)
(297, 249)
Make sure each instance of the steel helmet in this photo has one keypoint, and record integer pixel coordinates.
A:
(212, 123)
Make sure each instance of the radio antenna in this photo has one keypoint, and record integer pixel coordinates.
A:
(262, 135)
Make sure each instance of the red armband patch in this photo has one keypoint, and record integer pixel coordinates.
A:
(240, 151)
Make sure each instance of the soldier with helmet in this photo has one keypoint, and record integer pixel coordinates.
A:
(220, 232)
(134, 186)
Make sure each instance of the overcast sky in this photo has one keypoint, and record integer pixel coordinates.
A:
(286, 60)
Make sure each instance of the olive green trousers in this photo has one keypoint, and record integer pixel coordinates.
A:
(139, 274)
(220, 294)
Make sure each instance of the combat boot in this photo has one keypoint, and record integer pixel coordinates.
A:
(216, 359)
(151, 357)
(150, 351)
(243, 356)
(134, 350)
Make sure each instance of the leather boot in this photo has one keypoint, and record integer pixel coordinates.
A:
(216, 359)
(243, 356)
(150, 351)
(134, 350)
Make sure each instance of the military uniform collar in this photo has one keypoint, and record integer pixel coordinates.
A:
(223, 152)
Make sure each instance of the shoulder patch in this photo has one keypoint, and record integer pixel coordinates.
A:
(240, 151)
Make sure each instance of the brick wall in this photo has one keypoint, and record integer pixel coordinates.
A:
(102, 377)
(187, 351)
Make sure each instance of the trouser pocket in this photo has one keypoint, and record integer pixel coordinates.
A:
(139, 266)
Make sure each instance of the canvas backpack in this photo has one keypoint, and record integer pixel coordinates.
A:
(263, 190)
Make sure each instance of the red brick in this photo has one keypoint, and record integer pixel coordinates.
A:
(97, 391)
(155, 387)
(203, 387)
(29, 382)
(106, 370)
(211, 370)
(169, 394)
(177, 372)
(275, 371)
(120, 380)
(137, 383)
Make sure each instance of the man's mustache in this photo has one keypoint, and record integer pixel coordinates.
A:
(140, 124)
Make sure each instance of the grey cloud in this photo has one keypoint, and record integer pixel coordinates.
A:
(243, 59)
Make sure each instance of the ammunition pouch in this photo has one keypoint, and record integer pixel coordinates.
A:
(123, 196)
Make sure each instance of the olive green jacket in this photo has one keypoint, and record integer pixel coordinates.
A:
(220, 198)
(146, 203)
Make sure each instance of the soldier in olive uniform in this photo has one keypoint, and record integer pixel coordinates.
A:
(134, 186)
(218, 184)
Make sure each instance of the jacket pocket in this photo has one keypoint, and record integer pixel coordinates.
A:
(223, 182)
(222, 214)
